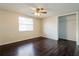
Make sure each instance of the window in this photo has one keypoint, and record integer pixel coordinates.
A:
(25, 24)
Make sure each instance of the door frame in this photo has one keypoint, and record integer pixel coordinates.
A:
(76, 24)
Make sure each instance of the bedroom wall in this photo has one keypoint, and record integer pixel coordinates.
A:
(9, 31)
(50, 28)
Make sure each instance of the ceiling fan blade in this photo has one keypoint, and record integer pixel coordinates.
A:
(33, 9)
(38, 10)
(44, 12)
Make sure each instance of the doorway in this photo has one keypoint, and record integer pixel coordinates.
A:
(67, 27)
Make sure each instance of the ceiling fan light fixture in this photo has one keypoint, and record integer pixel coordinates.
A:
(39, 11)
(38, 14)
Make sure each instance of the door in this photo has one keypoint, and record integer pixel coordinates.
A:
(67, 27)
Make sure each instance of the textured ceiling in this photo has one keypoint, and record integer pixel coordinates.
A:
(53, 9)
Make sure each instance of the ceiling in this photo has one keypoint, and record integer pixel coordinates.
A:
(53, 9)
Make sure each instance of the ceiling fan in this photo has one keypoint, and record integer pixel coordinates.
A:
(39, 11)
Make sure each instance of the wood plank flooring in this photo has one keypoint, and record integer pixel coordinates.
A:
(40, 47)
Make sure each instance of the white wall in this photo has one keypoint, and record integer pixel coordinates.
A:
(9, 31)
(50, 28)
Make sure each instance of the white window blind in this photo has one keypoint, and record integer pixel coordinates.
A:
(25, 24)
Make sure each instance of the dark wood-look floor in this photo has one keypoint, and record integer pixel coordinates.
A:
(40, 47)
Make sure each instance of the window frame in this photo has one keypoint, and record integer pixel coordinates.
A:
(21, 24)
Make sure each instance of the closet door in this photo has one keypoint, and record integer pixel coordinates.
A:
(62, 27)
(71, 27)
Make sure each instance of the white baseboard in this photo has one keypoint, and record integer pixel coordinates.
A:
(16, 41)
